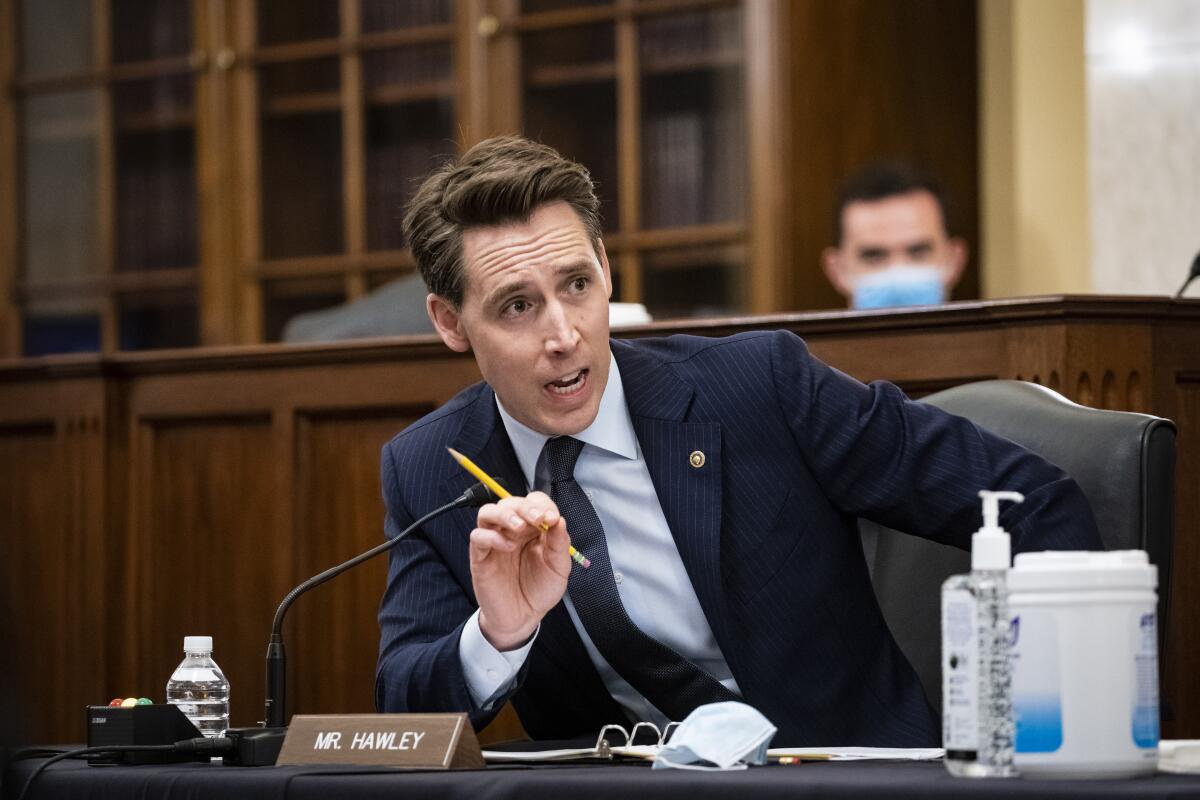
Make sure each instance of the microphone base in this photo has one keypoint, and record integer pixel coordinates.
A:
(255, 747)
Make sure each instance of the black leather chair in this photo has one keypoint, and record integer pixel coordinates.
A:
(1124, 462)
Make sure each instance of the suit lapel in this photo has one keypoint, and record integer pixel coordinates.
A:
(484, 440)
(684, 461)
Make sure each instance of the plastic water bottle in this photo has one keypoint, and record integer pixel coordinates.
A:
(199, 687)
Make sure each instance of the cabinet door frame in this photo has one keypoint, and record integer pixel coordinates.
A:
(10, 247)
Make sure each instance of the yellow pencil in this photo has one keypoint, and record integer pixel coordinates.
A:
(498, 490)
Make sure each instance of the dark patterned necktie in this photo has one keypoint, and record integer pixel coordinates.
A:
(674, 685)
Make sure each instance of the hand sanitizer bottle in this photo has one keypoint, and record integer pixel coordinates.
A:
(977, 721)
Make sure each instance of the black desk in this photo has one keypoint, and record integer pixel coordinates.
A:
(893, 781)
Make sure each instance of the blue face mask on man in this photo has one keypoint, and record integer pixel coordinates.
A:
(900, 285)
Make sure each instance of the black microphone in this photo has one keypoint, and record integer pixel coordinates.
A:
(1193, 273)
(260, 746)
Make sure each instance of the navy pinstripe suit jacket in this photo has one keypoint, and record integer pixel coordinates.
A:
(795, 452)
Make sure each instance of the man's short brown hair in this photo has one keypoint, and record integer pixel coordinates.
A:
(500, 180)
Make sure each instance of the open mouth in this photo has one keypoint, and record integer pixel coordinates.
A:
(568, 384)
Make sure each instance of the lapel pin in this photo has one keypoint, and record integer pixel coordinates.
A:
(696, 459)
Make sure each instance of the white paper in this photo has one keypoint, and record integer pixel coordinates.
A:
(642, 751)
(860, 753)
(649, 751)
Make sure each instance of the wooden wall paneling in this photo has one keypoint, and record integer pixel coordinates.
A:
(339, 514)
(52, 513)
(1183, 644)
(205, 539)
(10, 248)
(1035, 351)
(906, 358)
(32, 485)
(1106, 359)
(121, 660)
(880, 80)
(1173, 391)
(90, 585)
(283, 539)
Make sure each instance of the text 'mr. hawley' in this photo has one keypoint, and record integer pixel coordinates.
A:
(371, 740)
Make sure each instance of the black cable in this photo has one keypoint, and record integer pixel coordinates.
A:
(26, 753)
(198, 746)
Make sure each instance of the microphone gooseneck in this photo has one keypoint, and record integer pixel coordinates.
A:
(276, 716)
(1193, 273)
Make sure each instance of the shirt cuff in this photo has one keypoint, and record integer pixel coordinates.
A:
(489, 673)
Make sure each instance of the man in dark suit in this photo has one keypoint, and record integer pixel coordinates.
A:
(713, 483)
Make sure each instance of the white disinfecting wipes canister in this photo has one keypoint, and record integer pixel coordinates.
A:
(1085, 663)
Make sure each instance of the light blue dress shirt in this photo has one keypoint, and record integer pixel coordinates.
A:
(651, 579)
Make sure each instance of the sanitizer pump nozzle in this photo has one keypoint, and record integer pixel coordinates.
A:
(990, 547)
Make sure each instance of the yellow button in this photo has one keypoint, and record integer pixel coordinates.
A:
(696, 459)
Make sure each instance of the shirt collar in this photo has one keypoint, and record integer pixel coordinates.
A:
(611, 430)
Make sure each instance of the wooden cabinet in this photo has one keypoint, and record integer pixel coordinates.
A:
(198, 171)
(195, 172)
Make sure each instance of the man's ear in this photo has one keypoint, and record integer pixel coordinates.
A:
(448, 322)
(604, 266)
(832, 265)
(959, 250)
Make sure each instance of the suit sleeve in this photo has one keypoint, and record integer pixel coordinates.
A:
(421, 619)
(915, 468)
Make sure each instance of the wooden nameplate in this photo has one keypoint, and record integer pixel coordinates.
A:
(414, 741)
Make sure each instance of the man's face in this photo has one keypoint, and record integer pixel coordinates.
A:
(905, 229)
(535, 313)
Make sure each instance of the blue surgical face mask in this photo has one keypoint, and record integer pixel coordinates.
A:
(726, 735)
(900, 285)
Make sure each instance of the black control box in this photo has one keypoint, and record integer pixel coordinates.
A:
(160, 723)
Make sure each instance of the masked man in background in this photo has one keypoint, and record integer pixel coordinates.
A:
(893, 246)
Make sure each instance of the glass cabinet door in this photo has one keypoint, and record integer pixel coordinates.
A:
(650, 96)
(693, 160)
(153, 101)
(353, 101)
(59, 160)
(108, 223)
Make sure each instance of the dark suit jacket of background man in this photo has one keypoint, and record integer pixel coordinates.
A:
(794, 452)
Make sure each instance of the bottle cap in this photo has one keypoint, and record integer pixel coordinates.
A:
(197, 644)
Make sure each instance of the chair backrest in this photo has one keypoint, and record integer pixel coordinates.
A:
(1124, 462)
